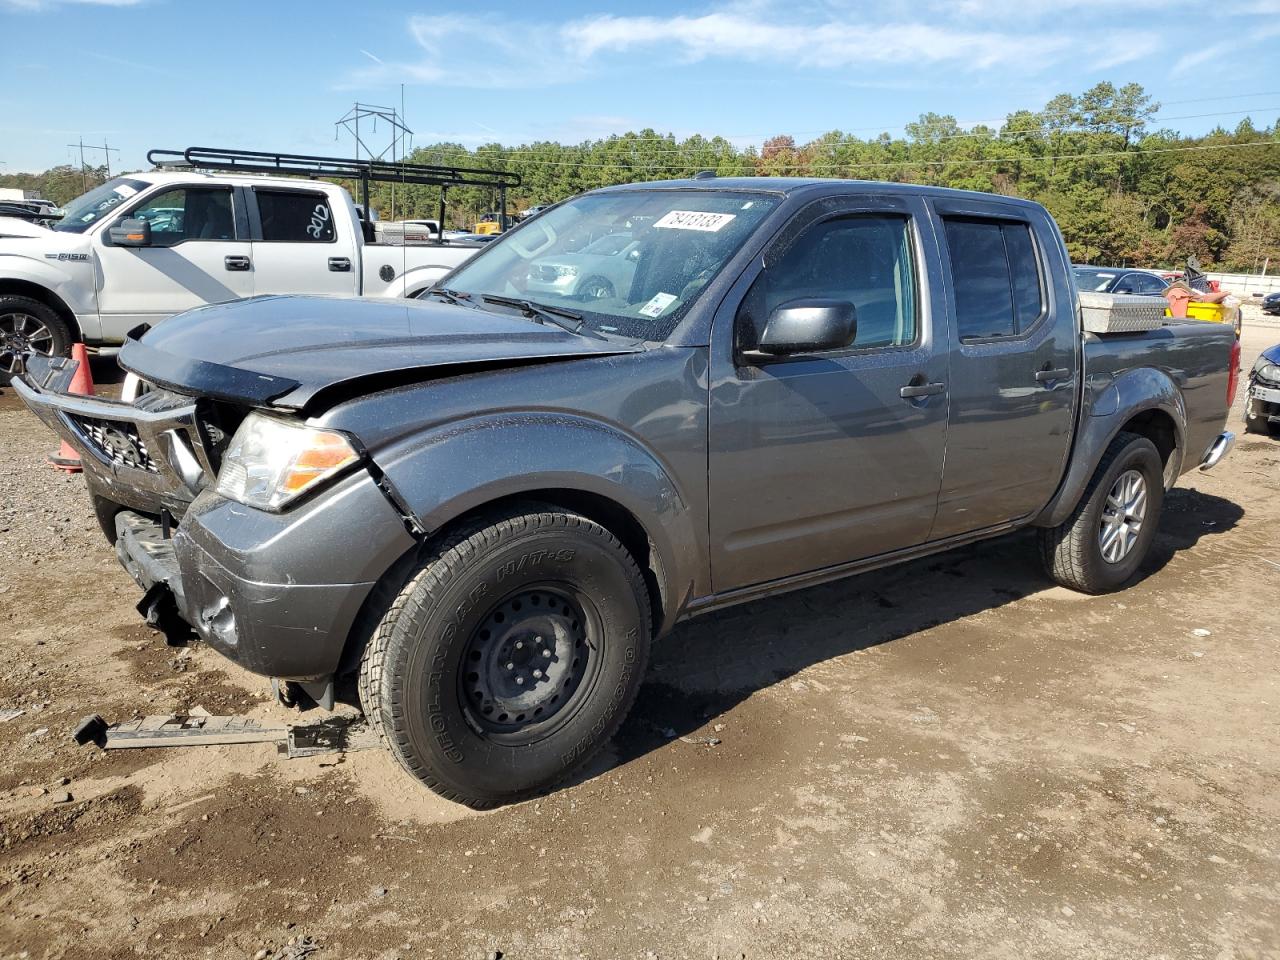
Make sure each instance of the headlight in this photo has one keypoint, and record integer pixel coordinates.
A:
(271, 462)
(1269, 372)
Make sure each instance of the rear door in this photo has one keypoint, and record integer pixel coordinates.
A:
(819, 460)
(199, 254)
(1014, 364)
(301, 244)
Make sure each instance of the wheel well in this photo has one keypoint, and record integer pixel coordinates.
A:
(25, 288)
(1158, 427)
(611, 515)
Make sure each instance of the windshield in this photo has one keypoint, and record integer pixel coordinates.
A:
(1090, 279)
(86, 210)
(630, 263)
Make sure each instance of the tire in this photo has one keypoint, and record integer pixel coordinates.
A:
(534, 595)
(28, 324)
(1073, 552)
(595, 288)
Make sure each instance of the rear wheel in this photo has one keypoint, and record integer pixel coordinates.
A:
(510, 657)
(29, 326)
(1104, 541)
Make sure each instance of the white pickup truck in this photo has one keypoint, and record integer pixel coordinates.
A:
(146, 246)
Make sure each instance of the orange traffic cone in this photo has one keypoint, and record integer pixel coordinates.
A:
(81, 384)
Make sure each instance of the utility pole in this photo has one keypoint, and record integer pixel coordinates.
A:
(106, 149)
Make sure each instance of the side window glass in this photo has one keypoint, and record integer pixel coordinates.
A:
(289, 217)
(188, 213)
(865, 260)
(996, 277)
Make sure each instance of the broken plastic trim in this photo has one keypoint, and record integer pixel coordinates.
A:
(201, 377)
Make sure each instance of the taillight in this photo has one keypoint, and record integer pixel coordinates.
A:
(1233, 374)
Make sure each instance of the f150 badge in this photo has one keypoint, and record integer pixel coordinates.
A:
(66, 256)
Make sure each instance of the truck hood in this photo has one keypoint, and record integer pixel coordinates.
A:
(285, 351)
(32, 240)
(14, 227)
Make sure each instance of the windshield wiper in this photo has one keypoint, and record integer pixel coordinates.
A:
(452, 296)
(562, 318)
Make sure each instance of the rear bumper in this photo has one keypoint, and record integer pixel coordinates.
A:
(1220, 447)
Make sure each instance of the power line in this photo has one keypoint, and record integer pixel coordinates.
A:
(678, 148)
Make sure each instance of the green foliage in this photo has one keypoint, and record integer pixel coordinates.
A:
(1122, 192)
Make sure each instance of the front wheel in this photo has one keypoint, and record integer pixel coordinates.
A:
(28, 326)
(1104, 541)
(510, 657)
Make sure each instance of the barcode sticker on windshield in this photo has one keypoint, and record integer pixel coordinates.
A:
(659, 303)
(694, 220)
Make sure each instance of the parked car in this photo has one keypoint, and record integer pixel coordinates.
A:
(597, 272)
(1271, 303)
(1106, 280)
(1262, 406)
(486, 505)
(141, 248)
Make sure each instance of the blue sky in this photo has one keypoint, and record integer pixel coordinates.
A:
(175, 73)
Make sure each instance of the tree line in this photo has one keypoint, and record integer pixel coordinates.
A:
(1123, 191)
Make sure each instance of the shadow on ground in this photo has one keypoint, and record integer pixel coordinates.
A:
(708, 665)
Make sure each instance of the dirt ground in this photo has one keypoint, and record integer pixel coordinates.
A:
(947, 759)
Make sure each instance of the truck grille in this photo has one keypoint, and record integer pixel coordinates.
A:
(118, 441)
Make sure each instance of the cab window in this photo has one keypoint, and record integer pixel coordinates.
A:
(995, 273)
(865, 260)
(188, 213)
(292, 217)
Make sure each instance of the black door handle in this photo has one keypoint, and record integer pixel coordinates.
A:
(913, 390)
(339, 264)
(1043, 376)
(236, 263)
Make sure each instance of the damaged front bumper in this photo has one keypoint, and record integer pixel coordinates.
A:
(278, 593)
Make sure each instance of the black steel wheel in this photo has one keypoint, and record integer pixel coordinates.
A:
(530, 663)
(510, 656)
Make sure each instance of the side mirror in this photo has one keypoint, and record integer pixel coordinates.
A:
(807, 325)
(131, 233)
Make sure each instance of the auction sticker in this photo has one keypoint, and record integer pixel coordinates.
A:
(659, 303)
(694, 220)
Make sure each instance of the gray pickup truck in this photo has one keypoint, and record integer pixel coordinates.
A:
(486, 504)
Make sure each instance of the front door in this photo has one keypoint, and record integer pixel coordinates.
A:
(1015, 340)
(197, 256)
(823, 459)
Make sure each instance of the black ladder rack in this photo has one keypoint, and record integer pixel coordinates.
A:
(366, 171)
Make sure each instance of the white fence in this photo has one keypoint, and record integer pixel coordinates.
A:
(1246, 284)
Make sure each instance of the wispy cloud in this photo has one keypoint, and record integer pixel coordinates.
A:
(39, 6)
(527, 54)
(1223, 49)
(131, 64)
(376, 59)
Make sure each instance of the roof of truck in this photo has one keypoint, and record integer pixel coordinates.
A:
(186, 176)
(797, 185)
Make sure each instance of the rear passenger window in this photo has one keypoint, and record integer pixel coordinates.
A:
(996, 276)
(289, 217)
(865, 260)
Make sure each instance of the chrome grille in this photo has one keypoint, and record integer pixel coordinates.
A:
(118, 441)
